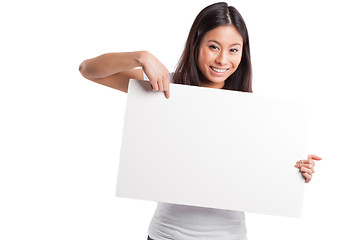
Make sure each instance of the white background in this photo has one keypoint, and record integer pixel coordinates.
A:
(61, 134)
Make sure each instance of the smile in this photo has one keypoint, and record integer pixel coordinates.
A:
(219, 70)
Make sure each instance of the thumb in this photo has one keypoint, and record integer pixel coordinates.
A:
(314, 157)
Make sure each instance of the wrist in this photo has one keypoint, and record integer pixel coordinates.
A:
(142, 57)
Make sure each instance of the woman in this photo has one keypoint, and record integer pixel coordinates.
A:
(216, 55)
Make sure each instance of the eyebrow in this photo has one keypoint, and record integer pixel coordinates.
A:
(220, 43)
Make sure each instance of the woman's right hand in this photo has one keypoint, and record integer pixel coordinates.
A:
(156, 72)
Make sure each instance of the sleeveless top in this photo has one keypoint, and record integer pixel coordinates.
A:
(182, 222)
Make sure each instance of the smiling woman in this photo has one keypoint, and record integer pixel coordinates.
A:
(216, 55)
(218, 46)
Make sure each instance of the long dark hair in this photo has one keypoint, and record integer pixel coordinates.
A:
(213, 16)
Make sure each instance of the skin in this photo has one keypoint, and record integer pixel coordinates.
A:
(219, 56)
(115, 69)
(306, 167)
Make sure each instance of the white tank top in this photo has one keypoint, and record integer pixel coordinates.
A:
(181, 222)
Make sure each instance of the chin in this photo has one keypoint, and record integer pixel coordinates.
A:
(217, 79)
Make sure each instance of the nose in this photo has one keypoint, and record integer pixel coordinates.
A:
(221, 58)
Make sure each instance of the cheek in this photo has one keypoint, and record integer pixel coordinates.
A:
(204, 56)
(236, 60)
(200, 57)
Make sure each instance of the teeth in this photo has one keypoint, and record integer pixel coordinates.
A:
(218, 70)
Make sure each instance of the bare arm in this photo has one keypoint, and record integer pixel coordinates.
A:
(115, 69)
(110, 63)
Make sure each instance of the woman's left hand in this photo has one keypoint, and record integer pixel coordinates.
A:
(306, 167)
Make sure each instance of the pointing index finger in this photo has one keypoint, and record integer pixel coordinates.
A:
(167, 94)
(167, 88)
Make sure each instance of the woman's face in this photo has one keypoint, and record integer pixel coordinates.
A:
(219, 56)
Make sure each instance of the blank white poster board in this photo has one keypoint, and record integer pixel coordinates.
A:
(212, 148)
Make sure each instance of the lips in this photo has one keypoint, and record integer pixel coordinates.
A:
(219, 70)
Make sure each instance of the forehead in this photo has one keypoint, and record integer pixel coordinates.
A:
(226, 35)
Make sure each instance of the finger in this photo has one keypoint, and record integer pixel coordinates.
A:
(302, 162)
(167, 88)
(306, 170)
(313, 157)
(154, 86)
(161, 85)
(307, 177)
(167, 94)
(166, 83)
(309, 166)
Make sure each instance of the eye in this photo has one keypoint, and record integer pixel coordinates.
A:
(234, 50)
(214, 47)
